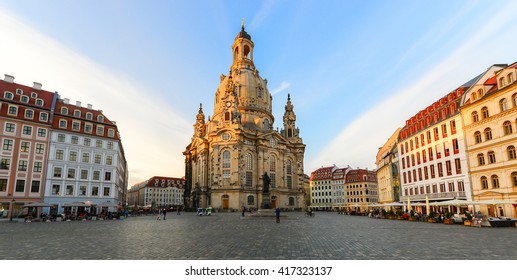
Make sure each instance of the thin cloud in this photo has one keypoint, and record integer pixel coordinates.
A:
(283, 86)
(139, 112)
(263, 13)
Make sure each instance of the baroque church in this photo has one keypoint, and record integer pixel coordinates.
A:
(233, 153)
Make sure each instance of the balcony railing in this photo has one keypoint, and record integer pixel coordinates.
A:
(432, 196)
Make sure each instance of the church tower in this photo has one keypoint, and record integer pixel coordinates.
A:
(230, 154)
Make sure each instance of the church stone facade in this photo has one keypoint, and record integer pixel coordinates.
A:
(231, 152)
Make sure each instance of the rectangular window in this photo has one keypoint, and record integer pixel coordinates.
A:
(97, 175)
(82, 190)
(5, 163)
(440, 169)
(13, 110)
(455, 146)
(42, 132)
(106, 191)
(428, 137)
(57, 172)
(55, 189)
(446, 149)
(75, 140)
(453, 127)
(87, 141)
(435, 188)
(71, 173)
(95, 191)
(43, 117)
(430, 150)
(61, 138)
(100, 130)
(60, 154)
(40, 148)
(426, 173)
(22, 165)
(62, 123)
(444, 130)
(97, 159)
(289, 182)
(3, 185)
(249, 179)
(98, 143)
(20, 186)
(461, 187)
(10, 127)
(86, 157)
(273, 180)
(72, 156)
(110, 145)
(420, 174)
(107, 176)
(88, 128)
(438, 152)
(432, 171)
(451, 186)
(35, 187)
(29, 114)
(38, 166)
(457, 164)
(84, 174)
(69, 190)
(109, 160)
(442, 188)
(76, 126)
(448, 167)
(8, 145)
(25, 147)
(436, 134)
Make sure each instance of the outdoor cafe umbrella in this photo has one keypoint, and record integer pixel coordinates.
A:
(408, 205)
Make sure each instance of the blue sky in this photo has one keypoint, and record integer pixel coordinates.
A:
(356, 70)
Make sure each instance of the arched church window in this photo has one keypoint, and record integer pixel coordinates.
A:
(247, 51)
(249, 162)
(267, 125)
(272, 170)
(289, 171)
(226, 159)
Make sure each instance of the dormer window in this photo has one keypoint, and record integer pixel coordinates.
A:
(34, 95)
(19, 91)
(502, 82)
(474, 96)
(510, 78)
(89, 116)
(24, 99)
(100, 118)
(39, 102)
(8, 95)
(480, 92)
(64, 110)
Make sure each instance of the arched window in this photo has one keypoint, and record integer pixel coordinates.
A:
(226, 167)
(511, 153)
(289, 172)
(484, 183)
(514, 179)
(251, 200)
(267, 125)
(502, 82)
(272, 170)
(495, 181)
(64, 110)
(510, 78)
(491, 157)
(488, 134)
(480, 92)
(474, 96)
(484, 112)
(507, 127)
(481, 159)
(477, 137)
(503, 104)
(475, 117)
(249, 170)
(514, 98)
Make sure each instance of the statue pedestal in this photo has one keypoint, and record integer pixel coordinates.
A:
(266, 201)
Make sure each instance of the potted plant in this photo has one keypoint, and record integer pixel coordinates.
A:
(412, 216)
(392, 215)
(468, 219)
(431, 218)
(400, 215)
(384, 214)
(448, 218)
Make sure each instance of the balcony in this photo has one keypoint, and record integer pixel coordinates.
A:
(435, 196)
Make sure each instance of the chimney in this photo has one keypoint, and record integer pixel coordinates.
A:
(90, 106)
(9, 78)
(37, 85)
(78, 103)
(66, 101)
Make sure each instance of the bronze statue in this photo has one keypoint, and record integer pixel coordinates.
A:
(265, 183)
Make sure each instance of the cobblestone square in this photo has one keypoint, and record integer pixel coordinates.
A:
(228, 236)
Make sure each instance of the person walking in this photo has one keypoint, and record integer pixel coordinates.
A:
(164, 213)
(243, 210)
(277, 211)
